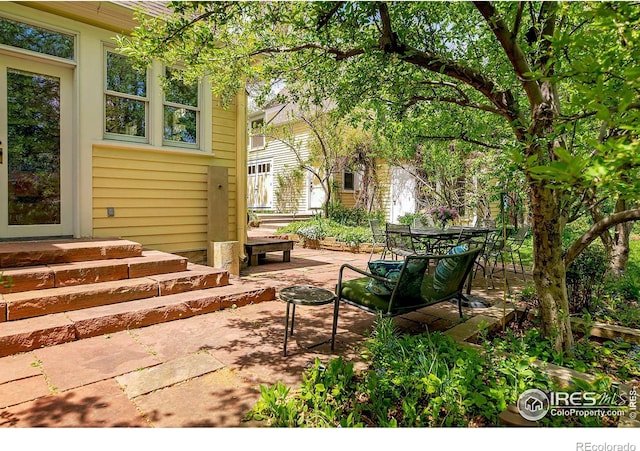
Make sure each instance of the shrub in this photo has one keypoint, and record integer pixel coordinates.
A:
(311, 232)
(411, 381)
(408, 218)
(618, 303)
(289, 190)
(353, 217)
(318, 229)
(585, 275)
(625, 287)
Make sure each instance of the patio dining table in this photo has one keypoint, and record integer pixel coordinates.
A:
(434, 238)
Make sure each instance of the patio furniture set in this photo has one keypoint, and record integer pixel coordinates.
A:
(429, 265)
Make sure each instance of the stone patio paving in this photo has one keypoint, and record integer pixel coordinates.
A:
(200, 371)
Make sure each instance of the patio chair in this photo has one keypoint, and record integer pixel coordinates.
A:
(514, 243)
(492, 251)
(400, 242)
(379, 238)
(407, 287)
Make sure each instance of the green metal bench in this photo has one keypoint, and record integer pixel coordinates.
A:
(413, 289)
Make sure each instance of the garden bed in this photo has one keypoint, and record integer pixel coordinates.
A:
(331, 244)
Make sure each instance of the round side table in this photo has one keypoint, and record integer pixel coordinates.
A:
(302, 295)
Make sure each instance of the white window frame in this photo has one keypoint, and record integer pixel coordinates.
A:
(354, 178)
(154, 112)
(260, 135)
(39, 55)
(146, 100)
(197, 109)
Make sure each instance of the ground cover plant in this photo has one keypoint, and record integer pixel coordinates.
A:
(318, 229)
(614, 359)
(413, 381)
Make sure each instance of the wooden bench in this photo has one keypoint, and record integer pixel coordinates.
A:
(258, 247)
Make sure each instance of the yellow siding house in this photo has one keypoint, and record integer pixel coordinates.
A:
(90, 148)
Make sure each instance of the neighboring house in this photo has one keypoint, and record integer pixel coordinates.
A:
(269, 157)
(90, 148)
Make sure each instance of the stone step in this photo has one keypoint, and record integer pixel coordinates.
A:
(30, 304)
(32, 333)
(155, 262)
(196, 277)
(79, 273)
(37, 253)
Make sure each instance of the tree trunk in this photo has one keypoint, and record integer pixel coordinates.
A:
(549, 272)
(326, 185)
(620, 248)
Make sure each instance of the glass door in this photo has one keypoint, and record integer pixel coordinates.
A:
(35, 165)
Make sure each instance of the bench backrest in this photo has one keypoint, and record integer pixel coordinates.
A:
(415, 287)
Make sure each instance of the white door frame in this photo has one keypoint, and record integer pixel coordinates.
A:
(67, 178)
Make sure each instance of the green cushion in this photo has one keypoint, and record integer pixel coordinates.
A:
(355, 290)
(446, 267)
(389, 269)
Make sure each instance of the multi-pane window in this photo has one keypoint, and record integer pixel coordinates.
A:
(257, 137)
(260, 168)
(126, 100)
(181, 112)
(36, 39)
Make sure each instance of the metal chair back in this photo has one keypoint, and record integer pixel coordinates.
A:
(399, 240)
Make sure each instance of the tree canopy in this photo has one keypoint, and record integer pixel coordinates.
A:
(554, 85)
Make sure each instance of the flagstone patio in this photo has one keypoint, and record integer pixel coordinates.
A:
(204, 370)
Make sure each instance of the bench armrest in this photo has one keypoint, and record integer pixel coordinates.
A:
(359, 271)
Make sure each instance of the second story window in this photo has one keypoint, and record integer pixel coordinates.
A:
(181, 112)
(126, 99)
(256, 139)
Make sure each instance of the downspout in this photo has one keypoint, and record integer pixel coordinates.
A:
(241, 172)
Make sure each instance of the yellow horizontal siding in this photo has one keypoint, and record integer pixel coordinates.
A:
(154, 184)
(169, 192)
(151, 230)
(223, 123)
(160, 199)
(383, 171)
(222, 148)
(221, 113)
(100, 203)
(117, 159)
(221, 138)
(151, 212)
(135, 174)
(348, 199)
(155, 221)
